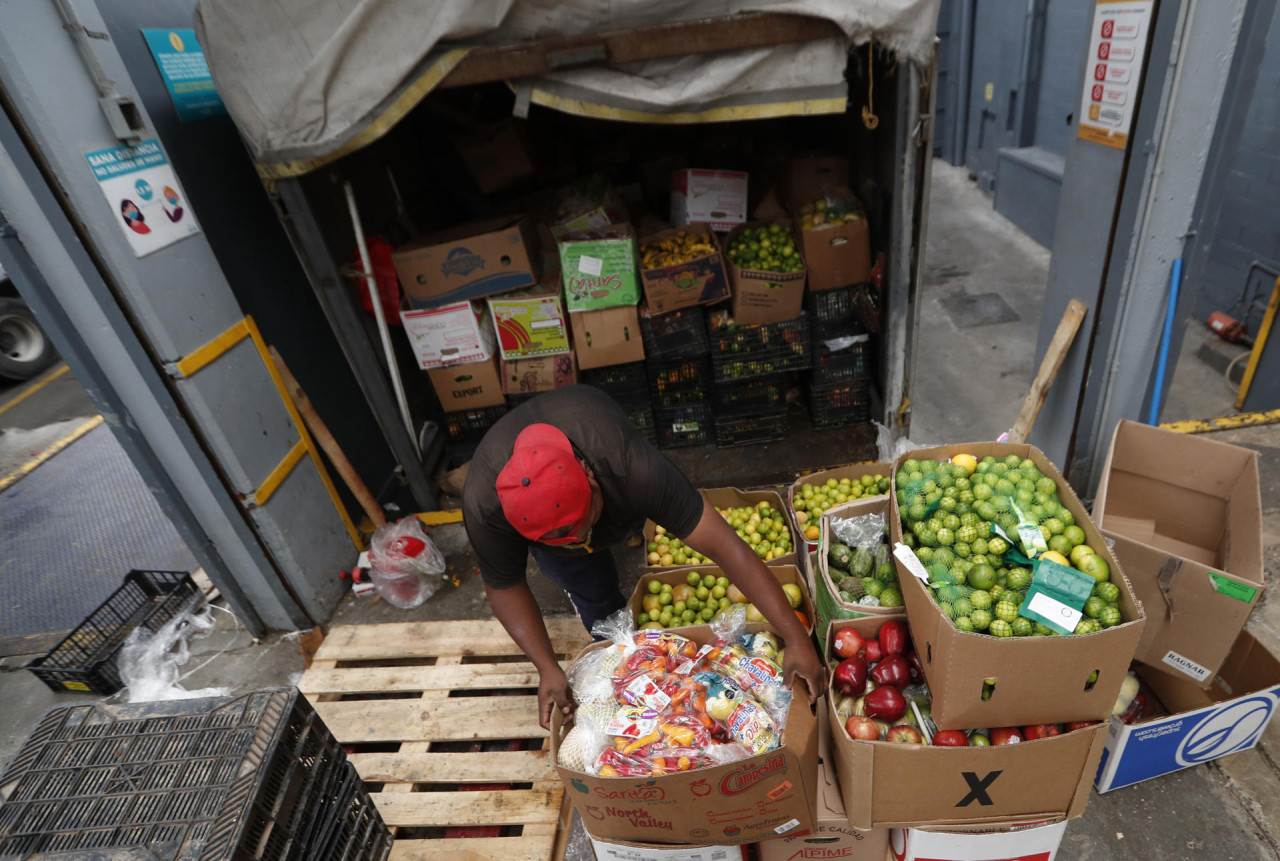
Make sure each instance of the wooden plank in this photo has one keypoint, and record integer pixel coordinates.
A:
(522, 848)
(363, 680)
(1054, 355)
(452, 719)
(614, 47)
(484, 637)
(487, 807)
(520, 766)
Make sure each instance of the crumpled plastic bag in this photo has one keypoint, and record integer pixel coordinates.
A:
(404, 565)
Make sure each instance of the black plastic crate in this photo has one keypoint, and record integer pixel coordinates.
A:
(842, 404)
(683, 426)
(849, 361)
(833, 313)
(472, 424)
(742, 351)
(355, 830)
(751, 429)
(644, 422)
(236, 778)
(676, 334)
(85, 660)
(458, 453)
(757, 393)
(627, 384)
(680, 381)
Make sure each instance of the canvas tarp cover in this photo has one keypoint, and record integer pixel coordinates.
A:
(306, 81)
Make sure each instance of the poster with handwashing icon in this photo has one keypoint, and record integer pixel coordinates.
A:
(144, 194)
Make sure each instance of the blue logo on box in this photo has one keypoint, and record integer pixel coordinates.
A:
(461, 262)
(1227, 730)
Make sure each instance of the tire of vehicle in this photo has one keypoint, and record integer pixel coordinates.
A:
(25, 350)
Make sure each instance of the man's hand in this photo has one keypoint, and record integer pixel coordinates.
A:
(554, 693)
(801, 659)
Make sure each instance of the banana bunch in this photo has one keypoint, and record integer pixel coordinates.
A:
(680, 247)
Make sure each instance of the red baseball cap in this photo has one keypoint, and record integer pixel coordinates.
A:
(543, 487)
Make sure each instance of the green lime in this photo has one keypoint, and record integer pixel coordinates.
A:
(981, 619)
(1001, 628)
(981, 599)
(1108, 592)
(1006, 610)
(694, 578)
(654, 587)
(1109, 617)
(1022, 627)
(981, 577)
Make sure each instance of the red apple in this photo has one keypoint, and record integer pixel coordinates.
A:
(917, 668)
(872, 651)
(1005, 735)
(894, 638)
(1040, 730)
(904, 734)
(848, 643)
(885, 703)
(862, 727)
(893, 670)
(950, 738)
(850, 677)
(1079, 724)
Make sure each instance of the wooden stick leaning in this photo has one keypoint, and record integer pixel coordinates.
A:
(1049, 366)
(326, 441)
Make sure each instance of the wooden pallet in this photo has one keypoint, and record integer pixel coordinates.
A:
(437, 672)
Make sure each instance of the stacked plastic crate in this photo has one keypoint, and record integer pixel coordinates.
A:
(256, 776)
(839, 384)
(465, 429)
(628, 385)
(750, 364)
(675, 347)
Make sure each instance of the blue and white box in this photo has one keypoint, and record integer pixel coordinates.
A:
(1203, 725)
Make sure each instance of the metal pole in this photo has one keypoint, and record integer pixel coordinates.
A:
(375, 299)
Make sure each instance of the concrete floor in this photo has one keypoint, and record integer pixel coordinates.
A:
(1224, 810)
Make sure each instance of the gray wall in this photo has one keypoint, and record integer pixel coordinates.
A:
(1248, 228)
(1066, 31)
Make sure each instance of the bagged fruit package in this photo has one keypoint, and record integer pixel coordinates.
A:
(860, 559)
(759, 673)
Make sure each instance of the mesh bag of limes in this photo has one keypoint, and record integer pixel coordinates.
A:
(980, 529)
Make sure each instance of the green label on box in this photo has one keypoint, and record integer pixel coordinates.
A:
(1056, 595)
(599, 273)
(1232, 589)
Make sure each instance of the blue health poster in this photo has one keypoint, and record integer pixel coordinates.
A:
(185, 73)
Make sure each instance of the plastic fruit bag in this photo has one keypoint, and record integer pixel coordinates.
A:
(745, 720)
(404, 564)
(756, 674)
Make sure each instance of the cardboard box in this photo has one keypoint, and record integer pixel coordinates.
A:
(957, 663)
(826, 591)
(468, 262)
(784, 573)
(698, 282)
(449, 335)
(804, 179)
(626, 851)
(727, 497)
(1204, 725)
(1185, 513)
(587, 204)
(1037, 841)
(610, 336)
(764, 297)
(530, 323)
(468, 387)
(714, 197)
(497, 156)
(833, 837)
(543, 374)
(836, 255)
(854, 472)
(888, 785)
(760, 797)
(600, 268)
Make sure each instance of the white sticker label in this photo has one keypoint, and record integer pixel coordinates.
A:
(631, 722)
(643, 692)
(904, 554)
(1186, 665)
(786, 826)
(1052, 608)
(588, 265)
(691, 664)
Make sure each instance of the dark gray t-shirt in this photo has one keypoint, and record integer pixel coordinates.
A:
(636, 480)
